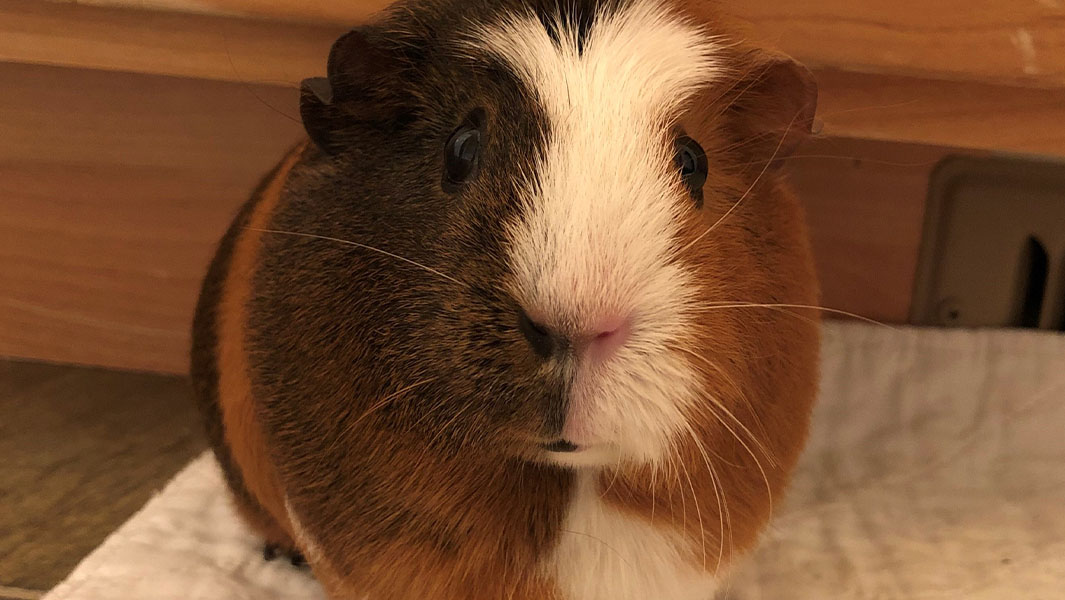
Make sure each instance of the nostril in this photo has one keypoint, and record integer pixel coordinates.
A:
(613, 327)
(538, 336)
(608, 336)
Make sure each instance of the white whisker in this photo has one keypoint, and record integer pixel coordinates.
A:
(722, 505)
(722, 305)
(698, 512)
(358, 245)
(716, 402)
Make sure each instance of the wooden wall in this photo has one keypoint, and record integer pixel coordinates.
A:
(114, 188)
(1010, 42)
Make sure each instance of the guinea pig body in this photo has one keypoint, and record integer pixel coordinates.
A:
(523, 320)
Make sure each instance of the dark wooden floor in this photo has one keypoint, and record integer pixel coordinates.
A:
(81, 449)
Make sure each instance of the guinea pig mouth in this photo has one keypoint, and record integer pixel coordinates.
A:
(561, 446)
(567, 454)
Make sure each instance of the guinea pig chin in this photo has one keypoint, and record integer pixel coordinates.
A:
(626, 409)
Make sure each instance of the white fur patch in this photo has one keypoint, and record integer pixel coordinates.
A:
(604, 554)
(599, 233)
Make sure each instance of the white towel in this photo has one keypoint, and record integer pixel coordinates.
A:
(936, 469)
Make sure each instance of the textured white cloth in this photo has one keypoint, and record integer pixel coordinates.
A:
(936, 469)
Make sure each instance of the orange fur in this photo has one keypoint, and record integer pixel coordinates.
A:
(243, 432)
(759, 365)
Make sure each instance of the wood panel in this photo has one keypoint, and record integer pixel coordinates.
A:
(1013, 42)
(346, 12)
(115, 188)
(967, 115)
(999, 41)
(162, 43)
(907, 109)
(865, 205)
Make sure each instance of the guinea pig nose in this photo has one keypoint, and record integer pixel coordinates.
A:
(542, 340)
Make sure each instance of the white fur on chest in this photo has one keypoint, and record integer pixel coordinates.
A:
(604, 554)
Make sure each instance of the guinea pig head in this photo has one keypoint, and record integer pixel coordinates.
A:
(533, 216)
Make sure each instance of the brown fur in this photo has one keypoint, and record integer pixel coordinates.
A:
(243, 431)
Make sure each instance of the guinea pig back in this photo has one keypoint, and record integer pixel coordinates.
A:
(530, 314)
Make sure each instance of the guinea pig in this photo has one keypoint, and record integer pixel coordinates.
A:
(526, 315)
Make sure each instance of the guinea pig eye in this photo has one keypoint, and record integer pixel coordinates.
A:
(462, 154)
(690, 160)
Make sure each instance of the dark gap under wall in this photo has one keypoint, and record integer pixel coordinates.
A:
(1034, 269)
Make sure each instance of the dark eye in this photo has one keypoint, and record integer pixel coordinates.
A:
(690, 160)
(462, 153)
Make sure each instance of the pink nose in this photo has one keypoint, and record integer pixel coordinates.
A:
(598, 342)
(605, 338)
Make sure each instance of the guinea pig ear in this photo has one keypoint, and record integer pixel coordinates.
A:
(771, 109)
(318, 112)
(359, 88)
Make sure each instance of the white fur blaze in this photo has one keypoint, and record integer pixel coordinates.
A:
(604, 554)
(599, 229)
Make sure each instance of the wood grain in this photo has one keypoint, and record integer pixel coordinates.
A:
(115, 190)
(966, 115)
(865, 206)
(346, 12)
(162, 43)
(1011, 42)
(83, 450)
(884, 107)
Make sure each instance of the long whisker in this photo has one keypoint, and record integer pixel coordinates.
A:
(683, 503)
(444, 428)
(378, 406)
(746, 400)
(617, 469)
(722, 305)
(363, 246)
(754, 457)
(863, 159)
(717, 403)
(722, 505)
(698, 512)
(387, 399)
(250, 89)
(654, 477)
(605, 545)
(761, 446)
